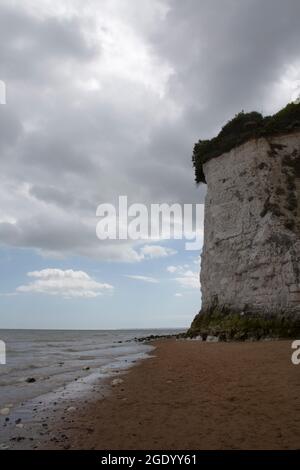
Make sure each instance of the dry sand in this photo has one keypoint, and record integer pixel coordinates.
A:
(195, 395)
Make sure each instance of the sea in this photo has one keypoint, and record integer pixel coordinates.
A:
(47, 364)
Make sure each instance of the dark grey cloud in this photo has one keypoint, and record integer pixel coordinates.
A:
(105, 101)
(228, 55)
(32, 48)
(10, 127)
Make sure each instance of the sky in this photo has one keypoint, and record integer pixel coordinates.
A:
(106, 98)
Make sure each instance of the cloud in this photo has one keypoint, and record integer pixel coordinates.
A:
(189, 280)
(104, 99)
(186, 278)
(142, 278)
(178, 294)
(178, 268)
(156, 251)
(66, 283)
(172, 269)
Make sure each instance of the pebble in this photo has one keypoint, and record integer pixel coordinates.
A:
(116, 382)
(199, 338)
(30, 380)
(4, 411)
(212, 339)
(20, 425)
(4, 446)
(71, 408)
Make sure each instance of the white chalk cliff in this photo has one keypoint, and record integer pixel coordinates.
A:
(251, 254)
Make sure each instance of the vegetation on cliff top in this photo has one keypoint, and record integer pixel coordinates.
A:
(243, 127)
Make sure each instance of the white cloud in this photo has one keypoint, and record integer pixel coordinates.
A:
(142, 278)
(172, 269)
(177, 294)
(66, 283)
(156, 251)
(189, 279)
(178, 269)
(186, 278)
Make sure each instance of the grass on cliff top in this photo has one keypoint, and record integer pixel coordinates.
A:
(243, 127)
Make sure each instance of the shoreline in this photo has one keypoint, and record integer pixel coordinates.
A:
(191, 395)
(32, 423)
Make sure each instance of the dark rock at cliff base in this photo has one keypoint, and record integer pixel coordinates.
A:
(244, 326)
(158, 337)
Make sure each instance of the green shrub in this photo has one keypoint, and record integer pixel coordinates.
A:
(243, 127)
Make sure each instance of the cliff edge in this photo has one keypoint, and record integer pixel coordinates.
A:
(250, 269)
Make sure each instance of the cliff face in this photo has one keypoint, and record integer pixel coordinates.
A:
(251, 254)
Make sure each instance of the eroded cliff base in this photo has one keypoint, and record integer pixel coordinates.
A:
(228, 325)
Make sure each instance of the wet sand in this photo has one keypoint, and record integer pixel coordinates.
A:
(190, 395)
(195, 395)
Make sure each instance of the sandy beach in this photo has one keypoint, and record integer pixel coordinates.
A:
(194, 395)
